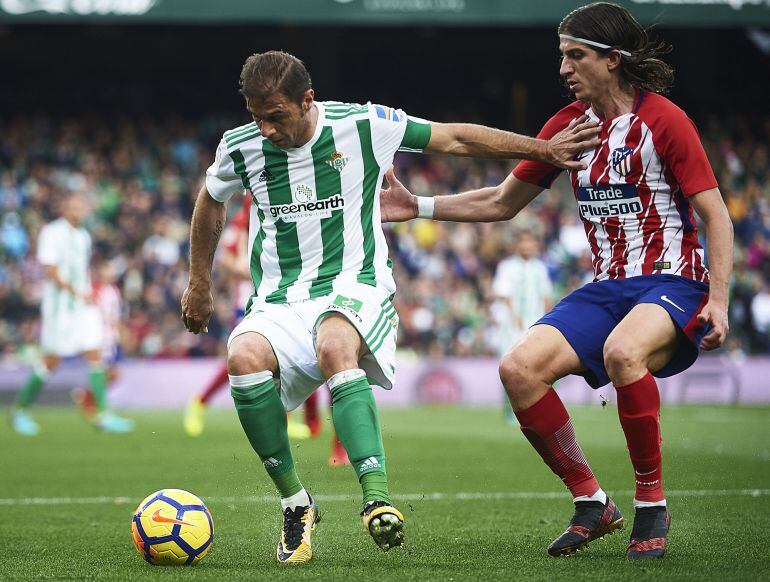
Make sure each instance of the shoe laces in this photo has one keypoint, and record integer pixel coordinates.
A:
(294, 526)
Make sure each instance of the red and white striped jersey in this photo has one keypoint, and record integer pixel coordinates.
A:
(633, 196)
(234, 242)
(108, 300)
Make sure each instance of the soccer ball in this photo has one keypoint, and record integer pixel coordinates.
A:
(172, 527)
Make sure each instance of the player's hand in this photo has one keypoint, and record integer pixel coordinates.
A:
(715, 316)
(197, 307)
(397, 204)
(563, 148)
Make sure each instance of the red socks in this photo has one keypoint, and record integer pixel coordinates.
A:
(639, 411)
(220, 380)
(547, 426)
(312, 418)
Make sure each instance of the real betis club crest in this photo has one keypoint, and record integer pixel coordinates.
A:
(338, 161)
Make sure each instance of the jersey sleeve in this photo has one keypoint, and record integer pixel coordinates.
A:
(540, 173)
(47, 247)
(393, 130)
(222, 181)
(678, 143)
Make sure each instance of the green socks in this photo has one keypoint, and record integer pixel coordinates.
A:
(263, 418)
(375, 486)
(358, 428)
(32, 387)
(97, 379)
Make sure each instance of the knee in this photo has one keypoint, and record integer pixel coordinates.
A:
(517, 375)
(240, 362)
(247, 356)
(335, 354)
(620, 355)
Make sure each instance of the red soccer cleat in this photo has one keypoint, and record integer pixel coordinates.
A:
(591, 521)
(648, 538)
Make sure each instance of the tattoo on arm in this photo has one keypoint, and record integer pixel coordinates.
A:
(218, 228)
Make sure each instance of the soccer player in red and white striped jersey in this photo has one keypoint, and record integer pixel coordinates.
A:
(652, 304)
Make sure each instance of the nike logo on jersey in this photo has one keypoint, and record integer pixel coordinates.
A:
(667, 300)
(158, 518)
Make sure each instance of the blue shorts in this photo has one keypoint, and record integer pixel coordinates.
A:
(586, 317)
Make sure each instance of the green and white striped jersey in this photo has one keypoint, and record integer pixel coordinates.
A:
(68, 248)
(315, 221)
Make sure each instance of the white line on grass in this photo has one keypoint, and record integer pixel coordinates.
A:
(435, 496)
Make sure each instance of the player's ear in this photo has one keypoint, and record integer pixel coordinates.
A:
(307, 101)
(613, 60)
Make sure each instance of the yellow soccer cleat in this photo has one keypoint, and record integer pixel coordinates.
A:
(194, 416)
(294, 545)
(384, 523)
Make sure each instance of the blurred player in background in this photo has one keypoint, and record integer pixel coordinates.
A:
(71, 323)
(322, 310)
(107, 299)
(524, 294)
(652, 303)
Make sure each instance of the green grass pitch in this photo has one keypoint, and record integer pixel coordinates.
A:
(479, 503)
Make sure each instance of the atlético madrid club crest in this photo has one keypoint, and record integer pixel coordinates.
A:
(621, 160)
(338, 161)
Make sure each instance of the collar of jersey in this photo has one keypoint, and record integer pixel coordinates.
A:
(638, 96)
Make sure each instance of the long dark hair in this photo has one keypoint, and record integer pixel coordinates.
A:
(613, 25)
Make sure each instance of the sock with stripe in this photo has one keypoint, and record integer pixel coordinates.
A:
(263, 418)
(358, 427)
(548, 427)
(32, 387)
(97, 380)
(639, 412)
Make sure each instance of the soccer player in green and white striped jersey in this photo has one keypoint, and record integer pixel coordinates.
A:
(70, 324)
(322, 306)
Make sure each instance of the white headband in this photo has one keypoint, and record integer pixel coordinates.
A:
(594, 43)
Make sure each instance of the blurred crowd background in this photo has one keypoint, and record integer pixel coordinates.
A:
(141, 176)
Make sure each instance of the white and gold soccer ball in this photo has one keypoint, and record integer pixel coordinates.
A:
(172, 527)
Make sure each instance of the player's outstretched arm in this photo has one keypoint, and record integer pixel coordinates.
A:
(478, 141)
(502, 202)
(208, 221)
(719, 248)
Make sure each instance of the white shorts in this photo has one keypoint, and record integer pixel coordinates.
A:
(291, 330)
(70, 332)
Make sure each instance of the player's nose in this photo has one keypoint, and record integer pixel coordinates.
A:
(267, 129)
